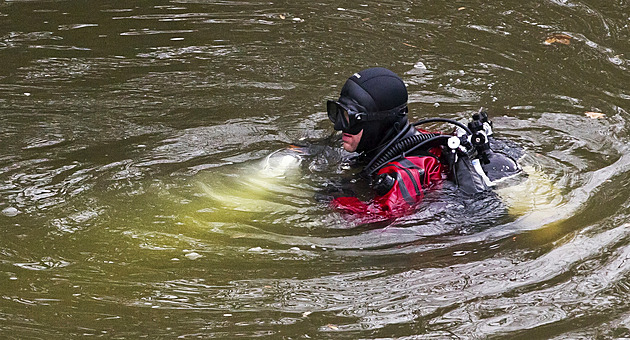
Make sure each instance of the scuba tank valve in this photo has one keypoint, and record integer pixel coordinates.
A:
(479, 136)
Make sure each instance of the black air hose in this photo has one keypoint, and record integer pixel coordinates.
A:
(437, 137)
(432, 139)
(443, 120)
(402, 132)
(400, 147)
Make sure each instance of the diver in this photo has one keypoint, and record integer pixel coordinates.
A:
(400, 160)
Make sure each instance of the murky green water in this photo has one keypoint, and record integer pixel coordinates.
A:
(135, 201)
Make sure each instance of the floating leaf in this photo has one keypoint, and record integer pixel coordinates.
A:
(282, 17)
(558, 38)
(410, 45)
(461, 8)
(594, 115)
(333, 327)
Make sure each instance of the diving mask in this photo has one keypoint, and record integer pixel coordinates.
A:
(344, 118)
(351, 121)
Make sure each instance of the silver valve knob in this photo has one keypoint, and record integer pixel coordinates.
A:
(454, 143)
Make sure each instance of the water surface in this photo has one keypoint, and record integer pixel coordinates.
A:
(135, 201)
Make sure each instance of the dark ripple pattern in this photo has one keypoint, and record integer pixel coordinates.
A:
(145, 189)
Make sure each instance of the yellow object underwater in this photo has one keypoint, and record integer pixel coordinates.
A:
(273, 185)
(536, 193)
(257, 186)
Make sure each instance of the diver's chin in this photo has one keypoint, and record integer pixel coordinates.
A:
(350, 141)
(348, 147)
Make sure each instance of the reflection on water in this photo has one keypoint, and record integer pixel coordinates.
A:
(146, 188)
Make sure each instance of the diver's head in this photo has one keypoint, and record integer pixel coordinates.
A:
(372, 104)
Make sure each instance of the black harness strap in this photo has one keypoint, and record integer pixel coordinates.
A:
(413, 181)
(409, 165)
(403, 189)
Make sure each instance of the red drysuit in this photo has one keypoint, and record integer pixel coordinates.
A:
(412, 175)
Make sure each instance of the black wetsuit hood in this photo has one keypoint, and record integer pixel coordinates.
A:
(376, 90)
